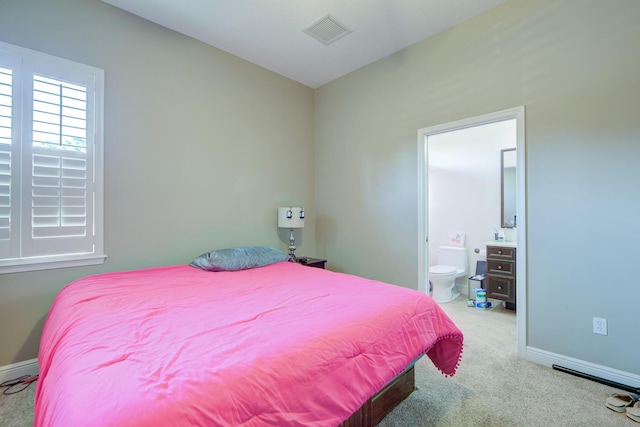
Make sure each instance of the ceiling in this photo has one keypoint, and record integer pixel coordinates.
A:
(271, 33)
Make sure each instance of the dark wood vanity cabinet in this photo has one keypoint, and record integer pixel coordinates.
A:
(501, 275)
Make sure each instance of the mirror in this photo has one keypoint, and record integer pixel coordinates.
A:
(508, 188)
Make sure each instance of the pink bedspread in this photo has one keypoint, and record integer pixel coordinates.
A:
(278, 345)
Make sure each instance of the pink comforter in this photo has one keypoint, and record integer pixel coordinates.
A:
(278, 345)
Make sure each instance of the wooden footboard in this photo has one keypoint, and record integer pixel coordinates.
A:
(383, 402)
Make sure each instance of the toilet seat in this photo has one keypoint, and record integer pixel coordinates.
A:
(442, 270)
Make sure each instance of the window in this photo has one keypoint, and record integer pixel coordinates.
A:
(50, 161)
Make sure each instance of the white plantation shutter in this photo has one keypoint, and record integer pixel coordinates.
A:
(61, 201)
(5, 192)
(6, 95)
(10, 115)
(50, 161)
(61, 184)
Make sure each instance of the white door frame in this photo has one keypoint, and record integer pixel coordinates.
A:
(521, 254)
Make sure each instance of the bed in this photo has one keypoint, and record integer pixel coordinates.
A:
(279, 344)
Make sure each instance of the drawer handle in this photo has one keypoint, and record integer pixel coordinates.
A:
(499, 252)
(499, 267)
(499, 288)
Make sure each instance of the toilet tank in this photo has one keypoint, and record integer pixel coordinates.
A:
(455, 257)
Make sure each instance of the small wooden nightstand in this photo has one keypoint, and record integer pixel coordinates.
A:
(312, 262)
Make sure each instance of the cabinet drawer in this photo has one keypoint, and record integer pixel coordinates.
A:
(501, 267)
(500, 252)
(502, 288)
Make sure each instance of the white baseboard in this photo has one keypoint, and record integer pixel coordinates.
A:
(546, 358)
(16, 370)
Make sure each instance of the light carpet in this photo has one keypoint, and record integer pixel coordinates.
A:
(493, 387)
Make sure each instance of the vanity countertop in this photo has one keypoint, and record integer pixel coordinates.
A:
(501, 243)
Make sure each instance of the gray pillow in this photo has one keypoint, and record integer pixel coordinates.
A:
(234, 259)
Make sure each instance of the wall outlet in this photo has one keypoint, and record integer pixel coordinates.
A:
(599, 326)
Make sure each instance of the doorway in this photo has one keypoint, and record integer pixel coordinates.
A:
(441, 132)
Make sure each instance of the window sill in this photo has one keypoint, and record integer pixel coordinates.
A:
(49, 263)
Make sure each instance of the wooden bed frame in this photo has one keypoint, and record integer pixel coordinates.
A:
(384, 401)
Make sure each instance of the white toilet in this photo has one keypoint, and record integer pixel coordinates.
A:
(452, 263)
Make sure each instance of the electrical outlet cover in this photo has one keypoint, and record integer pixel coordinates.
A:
(599, 326)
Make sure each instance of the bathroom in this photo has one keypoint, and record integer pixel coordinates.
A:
(471, 173)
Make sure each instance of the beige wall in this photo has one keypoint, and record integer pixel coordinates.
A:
(201, 148)
(574, 65)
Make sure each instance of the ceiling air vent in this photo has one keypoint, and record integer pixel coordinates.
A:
(327, 30)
